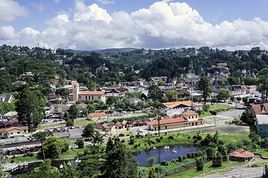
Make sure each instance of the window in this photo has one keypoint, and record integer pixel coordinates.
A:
(18, 132)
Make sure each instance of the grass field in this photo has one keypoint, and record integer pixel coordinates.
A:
(77, 123)
(226, 166)
(214, 108)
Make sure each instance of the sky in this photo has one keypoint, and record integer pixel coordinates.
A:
(99, 24)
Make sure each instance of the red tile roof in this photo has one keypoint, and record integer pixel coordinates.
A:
(96, 93)
(13, 128)
(168, 121)
(189, 113)
(97, 114)
(241, 153)
(260, 108)
(178, 103)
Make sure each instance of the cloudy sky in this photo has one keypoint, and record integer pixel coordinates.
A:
(97, 24)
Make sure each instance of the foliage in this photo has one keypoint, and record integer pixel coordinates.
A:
(119, 162)
(248, 117)
(224, 94)
(44, 171)
(154, 92)
(74, 111)
(205, 86)
(6, 107)
(30, 107)
(80, 143)
(151, 161)
(53, 147)
(152, 173)
(217, 160)
(69, 123)
(199, 164)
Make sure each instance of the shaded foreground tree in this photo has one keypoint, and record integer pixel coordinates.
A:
(119, 162)
(205, 86)
(30, 107)
(248, 117)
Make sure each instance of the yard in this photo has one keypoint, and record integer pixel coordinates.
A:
(214, 108)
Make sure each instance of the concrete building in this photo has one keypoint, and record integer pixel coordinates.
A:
(262, 124)
(91, 96)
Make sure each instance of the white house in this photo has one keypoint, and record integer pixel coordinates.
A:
(177, 107)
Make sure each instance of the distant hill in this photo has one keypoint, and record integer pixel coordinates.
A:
(109, 51)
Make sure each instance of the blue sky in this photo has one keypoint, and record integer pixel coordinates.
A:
(94, 24)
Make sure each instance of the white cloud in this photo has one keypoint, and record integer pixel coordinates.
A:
(7, 33)
(161, 25)
(10, 10)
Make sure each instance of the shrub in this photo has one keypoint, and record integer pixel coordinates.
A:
(151, 161)
(180, 158)
(80, 143)
(170, 137)
(199, 164)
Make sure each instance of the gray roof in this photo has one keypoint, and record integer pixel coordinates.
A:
(262, 119)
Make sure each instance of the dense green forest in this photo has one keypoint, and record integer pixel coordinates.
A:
(39, 66)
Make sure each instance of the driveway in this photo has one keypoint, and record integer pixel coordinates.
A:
(238, 172)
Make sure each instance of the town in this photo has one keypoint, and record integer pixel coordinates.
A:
(58, 109)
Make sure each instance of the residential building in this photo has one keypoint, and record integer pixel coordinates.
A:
(13, 132)
(177, 107)
(187, 119)
(91, 96)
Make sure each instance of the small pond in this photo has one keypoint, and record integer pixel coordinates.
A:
(164, 154)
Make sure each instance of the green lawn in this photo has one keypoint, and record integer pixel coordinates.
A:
(19, 159)
(227, 166)
(71, 153)
(77, 123)
(215, 108)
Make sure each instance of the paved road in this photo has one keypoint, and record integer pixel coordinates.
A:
(239, 173)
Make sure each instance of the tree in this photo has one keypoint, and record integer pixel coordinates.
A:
(217, 160)
(151, 161)
(119, 162)
(90, 108)
(248, 117)
(88, 131)
(154, 92)
(80, 143)
(30, 108)
(68, 171)
(152, 173)
(199, 164)
(205, 86)
(45, 170)
(63, 92)
(69, 123)
(223, 94)
(53, 147)
(172, 95)
(42, 137)
(74, 111)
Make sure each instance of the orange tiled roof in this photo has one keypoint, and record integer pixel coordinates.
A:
(98, 93)
(97, 114)
(241, 153)
(13, 128)
(168, 121)
(260, 108)
(189, 113)
(177, 103)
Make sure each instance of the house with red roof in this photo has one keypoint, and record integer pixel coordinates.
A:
(241, 155)
(186, 119)
(97, 116)
(177, 107)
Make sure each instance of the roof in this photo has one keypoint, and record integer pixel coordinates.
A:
(260, 108)
(13, 128)
(178, 103)
(97, 114)
(98, 93)
(262, 119)
(189, 113)
(11, 113)
(241, 153)
(168, 121)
